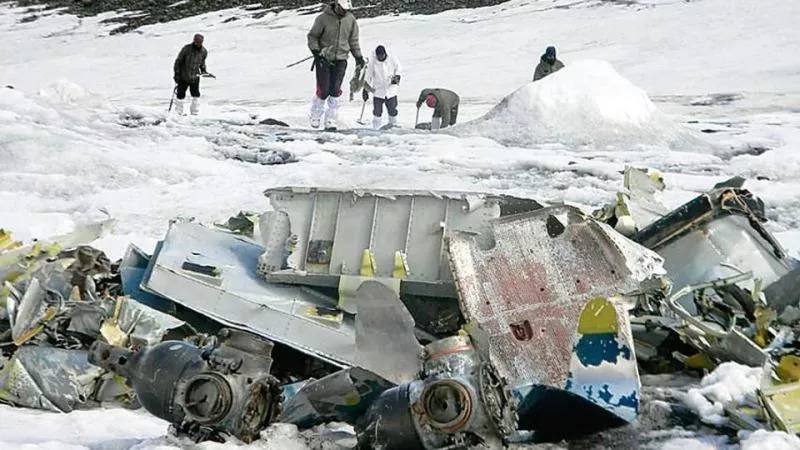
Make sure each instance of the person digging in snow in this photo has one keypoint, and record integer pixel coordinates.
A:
(189, 66)
(383, 79)
(445, 106)
(333, 35)
(547, 64)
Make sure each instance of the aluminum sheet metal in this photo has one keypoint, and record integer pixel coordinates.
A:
(528, 284)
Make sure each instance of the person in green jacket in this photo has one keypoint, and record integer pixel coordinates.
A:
(333, 35)
(548, 64)
(189, 65)
(445, 106)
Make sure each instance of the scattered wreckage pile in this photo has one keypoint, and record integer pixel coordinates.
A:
(425, 320)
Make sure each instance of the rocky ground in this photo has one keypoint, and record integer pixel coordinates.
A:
(146, 12)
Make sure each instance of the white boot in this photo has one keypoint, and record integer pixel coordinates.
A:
(179, 106)
(392, 121)
(376, 122)
(317, 108)
(332, 113)
(194, 108)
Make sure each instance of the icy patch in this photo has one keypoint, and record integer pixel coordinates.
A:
(730, 383)
(768, 440)
(586, 104)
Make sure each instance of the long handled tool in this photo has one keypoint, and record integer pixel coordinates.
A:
(298, 62)
(416, 119)
(361, 117)
(172, 99)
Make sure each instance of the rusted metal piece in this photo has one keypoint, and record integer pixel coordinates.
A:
(528, 287)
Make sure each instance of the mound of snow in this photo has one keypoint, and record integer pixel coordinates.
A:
(585, 104)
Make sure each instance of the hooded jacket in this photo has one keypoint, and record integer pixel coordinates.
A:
(544, 68)
(334, 36)
(379, 75)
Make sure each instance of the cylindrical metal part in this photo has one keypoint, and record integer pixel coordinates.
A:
(450, 356)
(153, 372)
(390, 425)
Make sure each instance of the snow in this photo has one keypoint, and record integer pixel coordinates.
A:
(585, 106)
(729, 384)
(83, 128)
(768, 440)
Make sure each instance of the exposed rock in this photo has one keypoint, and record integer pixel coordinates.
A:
(150, 12)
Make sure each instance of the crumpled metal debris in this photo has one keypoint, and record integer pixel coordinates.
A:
(530, 315)
(732, 293)
(57, 300)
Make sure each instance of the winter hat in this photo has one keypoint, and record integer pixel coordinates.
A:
(380, 53)
(550, 51)
(345, 4)
(430, 100)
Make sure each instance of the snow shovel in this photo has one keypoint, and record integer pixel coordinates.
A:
(416, 119)
(361, 117)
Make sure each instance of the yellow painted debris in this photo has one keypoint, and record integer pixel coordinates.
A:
(368, 266)
(788, 369)
(598, 317)
(400, 269)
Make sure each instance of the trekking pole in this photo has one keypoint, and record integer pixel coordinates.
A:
(298, 62)
(172, 99)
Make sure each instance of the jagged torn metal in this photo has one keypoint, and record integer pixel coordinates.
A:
(527, 286)
(385, 340)
(48, 378)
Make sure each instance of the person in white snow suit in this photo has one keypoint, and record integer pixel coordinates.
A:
(188, 66)
(333, 35)
(382, 79)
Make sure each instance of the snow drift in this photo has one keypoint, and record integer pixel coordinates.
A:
(586, 104)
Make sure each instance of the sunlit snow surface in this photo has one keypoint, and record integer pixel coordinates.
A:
(84, 128)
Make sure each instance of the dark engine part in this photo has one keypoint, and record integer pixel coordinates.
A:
(458, 402)
(224, 388)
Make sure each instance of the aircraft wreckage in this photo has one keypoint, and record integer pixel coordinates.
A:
(425, 320)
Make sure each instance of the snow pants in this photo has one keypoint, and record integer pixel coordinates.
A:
(330, 76)
(391, 106)
(193, 86)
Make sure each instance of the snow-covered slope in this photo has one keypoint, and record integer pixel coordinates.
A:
(83, 127)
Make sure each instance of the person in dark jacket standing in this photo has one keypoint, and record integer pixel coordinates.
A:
(548, 64)
(189, 65)
(333, 35)
(445, 106)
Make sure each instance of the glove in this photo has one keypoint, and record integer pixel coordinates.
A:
(364, 94)
(360, 61)
(315, 52)
(396, 79)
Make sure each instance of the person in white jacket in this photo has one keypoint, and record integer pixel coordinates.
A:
(382, 79)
